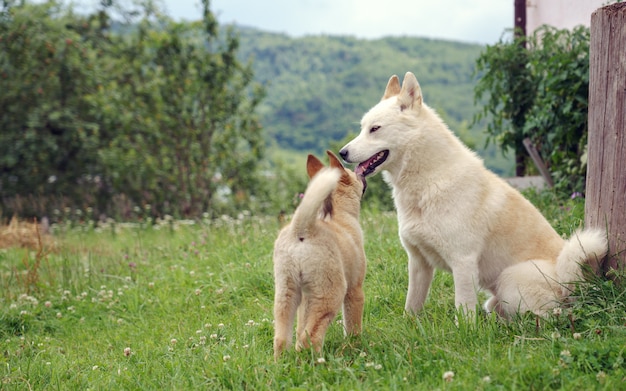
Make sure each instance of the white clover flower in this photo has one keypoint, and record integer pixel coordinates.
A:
(448, 376)
(226, 357)
(127, 352)
(321, 360)
(577, 336)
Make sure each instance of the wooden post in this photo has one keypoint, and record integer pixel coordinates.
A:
(605, 204)
(519, 22)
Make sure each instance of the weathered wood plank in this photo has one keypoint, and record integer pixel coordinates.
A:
(605, 204)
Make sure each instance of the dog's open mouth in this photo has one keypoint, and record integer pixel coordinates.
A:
(369, 166)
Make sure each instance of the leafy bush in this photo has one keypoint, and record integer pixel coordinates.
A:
(540, 93)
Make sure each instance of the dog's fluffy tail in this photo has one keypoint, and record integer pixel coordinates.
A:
(318, 191)
(585, 247)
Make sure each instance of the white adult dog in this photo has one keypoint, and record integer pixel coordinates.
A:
(455, 215)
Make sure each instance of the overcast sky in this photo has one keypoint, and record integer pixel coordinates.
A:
(476, 21)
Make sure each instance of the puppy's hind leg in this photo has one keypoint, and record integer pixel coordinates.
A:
(353, 310)
(319, 314)
(286, 300)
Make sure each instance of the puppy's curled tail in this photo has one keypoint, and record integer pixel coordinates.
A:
(320, 187)
(584, 247)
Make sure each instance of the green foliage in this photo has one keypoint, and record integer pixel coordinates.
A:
(190, 127)
(48, 138)
(510, 88)
(151, 112)
(540, 92)
(557, 121)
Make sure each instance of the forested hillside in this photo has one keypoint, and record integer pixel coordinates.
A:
(318, 87)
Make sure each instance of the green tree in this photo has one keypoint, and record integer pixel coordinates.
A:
(148, 111)
(509, 85)
(557, 120)
(48, 142)
(541, 93)
(188, 135)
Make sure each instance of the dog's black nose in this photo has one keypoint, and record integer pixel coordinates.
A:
(344, 154)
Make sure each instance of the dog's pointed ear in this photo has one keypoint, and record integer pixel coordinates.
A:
(334, 161)
(313, 165)
(393, 87)
(410, 95)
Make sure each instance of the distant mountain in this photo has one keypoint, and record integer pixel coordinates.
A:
(318, 87)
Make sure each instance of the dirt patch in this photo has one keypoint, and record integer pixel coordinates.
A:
(23, 234)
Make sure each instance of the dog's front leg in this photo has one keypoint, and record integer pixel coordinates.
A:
(466, 286)
(420, 277)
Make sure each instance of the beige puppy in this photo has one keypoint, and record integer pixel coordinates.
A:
(319, 261)
(455, 215)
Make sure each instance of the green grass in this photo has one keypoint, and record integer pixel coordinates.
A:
(184, 306)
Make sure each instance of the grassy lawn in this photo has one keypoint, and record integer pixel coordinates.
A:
(189, 306)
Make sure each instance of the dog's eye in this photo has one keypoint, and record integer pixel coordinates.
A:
(374, 128)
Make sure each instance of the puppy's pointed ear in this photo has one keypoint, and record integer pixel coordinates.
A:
(334, 161)
(313, 165)
(411, 94)
(393, 87)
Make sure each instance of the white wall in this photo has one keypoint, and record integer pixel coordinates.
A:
(564, 14)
